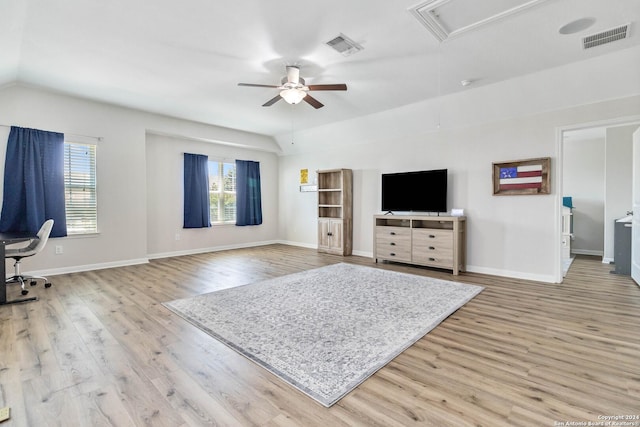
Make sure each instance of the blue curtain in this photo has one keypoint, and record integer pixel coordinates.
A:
(248, 197)
(33, 182)
(196, 191)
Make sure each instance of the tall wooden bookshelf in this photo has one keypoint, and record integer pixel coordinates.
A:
(335, 211)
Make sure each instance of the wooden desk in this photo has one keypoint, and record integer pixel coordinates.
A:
(7, 239)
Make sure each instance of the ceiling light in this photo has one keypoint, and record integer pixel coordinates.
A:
(293, 96)
(577, 26)
(466, 82)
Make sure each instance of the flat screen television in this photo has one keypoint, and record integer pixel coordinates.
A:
(419, 191)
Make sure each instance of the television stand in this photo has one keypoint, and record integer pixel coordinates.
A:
(430, 241)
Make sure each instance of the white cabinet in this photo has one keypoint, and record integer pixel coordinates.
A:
(567, 231)
(432, 241)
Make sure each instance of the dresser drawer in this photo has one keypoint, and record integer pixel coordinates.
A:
(434, 259)
(393, 243)
(433, 247)
(393, 253)
(393, 232)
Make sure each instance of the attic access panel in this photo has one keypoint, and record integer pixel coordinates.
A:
(449, 18)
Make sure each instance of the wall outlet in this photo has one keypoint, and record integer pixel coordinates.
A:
(5, 414)
(177, 236)
(59, 249)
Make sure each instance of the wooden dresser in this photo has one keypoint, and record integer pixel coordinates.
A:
(432, 241)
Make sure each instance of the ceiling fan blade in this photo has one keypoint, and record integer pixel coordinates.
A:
(340, 86)
(272, 101)
(255, 85)
(312, 101)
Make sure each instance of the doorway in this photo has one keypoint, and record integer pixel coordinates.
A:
(594, 175)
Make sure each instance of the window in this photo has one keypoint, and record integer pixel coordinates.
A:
(81, 202)
(222, 192)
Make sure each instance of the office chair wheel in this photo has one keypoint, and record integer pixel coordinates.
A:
(24, 292)
(47, 285)
(33, 283)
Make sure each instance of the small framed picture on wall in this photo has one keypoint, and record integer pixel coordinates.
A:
(522, 177)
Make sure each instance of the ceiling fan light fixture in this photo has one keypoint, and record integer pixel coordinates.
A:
(293, 96)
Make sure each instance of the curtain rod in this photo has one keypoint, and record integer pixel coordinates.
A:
(218, 158)
(72, 135)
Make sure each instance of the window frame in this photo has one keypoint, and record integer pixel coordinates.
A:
(93, 186)
(221, 193)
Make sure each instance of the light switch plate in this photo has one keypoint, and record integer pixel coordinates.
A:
(5, 414)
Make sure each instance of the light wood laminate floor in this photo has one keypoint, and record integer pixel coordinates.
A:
(99, 349)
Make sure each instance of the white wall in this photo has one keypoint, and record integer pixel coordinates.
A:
(121, 170)
(584, 181)
(164, 179)
(517, 236)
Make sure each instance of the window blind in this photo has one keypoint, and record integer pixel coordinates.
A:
(81, 202)
(222, 192)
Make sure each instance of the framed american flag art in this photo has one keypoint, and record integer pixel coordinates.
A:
(530, 176)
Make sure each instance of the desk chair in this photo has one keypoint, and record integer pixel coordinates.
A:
(34, 247)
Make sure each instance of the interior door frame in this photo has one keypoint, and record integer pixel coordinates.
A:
(635, 209)
(558, 173)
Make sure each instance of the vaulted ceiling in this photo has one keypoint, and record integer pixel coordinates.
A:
(184, 59)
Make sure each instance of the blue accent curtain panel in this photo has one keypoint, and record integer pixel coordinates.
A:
(34, 182)
(248, 193)
(196, 191)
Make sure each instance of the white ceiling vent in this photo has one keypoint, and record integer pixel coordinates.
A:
(344, 45)
(605, 37)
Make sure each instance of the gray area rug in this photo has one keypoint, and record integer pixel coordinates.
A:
(326, 330)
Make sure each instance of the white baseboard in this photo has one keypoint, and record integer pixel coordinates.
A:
(586, 252)
(209, 249)
(469, 268)
(87, 267)
(363, 254)
(124, 263)
(298, 244)
(310, 246)
(512, 274)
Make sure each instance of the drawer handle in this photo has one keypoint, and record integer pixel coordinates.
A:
(431, 248)
(432, 259)
(329, 234)
(392, 254)
(392, 244)
(432, 236)
(393, 233)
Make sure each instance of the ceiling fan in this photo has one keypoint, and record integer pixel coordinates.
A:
(293, 89)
